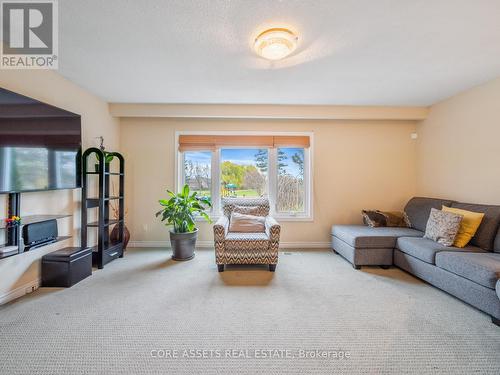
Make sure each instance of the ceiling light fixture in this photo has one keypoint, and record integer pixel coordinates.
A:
(275, 44)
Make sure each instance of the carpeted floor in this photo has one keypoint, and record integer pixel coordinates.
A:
(146, 306)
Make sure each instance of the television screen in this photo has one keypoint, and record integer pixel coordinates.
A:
(40, 145)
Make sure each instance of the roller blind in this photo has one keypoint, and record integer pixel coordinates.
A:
(212, 142)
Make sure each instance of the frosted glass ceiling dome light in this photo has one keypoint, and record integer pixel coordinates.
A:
(275, 44)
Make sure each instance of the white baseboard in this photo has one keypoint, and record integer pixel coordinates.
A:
(210, 244)
(305, 245)
(20, 291)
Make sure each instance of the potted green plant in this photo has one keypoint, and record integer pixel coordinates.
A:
(108, 158)
(180, 212)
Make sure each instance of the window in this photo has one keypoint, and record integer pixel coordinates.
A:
(243, 172)
(290, 194)
(198, 172)
(249, 166)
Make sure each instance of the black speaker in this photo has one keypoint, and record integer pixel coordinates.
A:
(38, 234)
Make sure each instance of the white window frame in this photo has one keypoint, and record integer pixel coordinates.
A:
(216, 210)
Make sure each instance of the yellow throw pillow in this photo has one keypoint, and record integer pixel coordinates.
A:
(468, 226)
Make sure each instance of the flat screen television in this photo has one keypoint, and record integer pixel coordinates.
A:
(40, 145)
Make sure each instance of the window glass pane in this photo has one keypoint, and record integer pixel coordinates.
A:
(244, 172)
(65, 168)
(198, 172)
(32, 168)
(290, 189)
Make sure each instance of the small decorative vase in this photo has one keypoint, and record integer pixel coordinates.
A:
(114, 237)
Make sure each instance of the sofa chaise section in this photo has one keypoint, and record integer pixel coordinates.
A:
(365, 246)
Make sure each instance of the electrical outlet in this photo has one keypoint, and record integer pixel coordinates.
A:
(30, 289)
(145, 227)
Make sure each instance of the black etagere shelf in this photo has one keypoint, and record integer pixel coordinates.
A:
(14, 242)
(105, 251)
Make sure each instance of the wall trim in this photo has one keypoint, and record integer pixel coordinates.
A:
(20, 291)
(267, 111)
(210, 244)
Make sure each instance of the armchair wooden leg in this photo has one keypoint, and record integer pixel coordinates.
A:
(356, 267)
(220, 267)
(272, 267)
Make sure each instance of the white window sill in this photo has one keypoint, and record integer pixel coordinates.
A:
(278, 218)
(292, 218)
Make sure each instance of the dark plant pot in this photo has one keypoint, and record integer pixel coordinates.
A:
(106, 167)
(183, 245)
(115, 238)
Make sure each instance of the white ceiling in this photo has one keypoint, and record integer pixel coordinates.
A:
(351, 52)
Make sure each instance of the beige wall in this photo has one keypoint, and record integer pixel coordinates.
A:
(458, 147)
(357, 164)
(22, 270)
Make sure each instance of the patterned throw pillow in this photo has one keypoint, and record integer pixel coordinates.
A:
(378, 218)
(443, 227)
(396, 219)
(373, 219)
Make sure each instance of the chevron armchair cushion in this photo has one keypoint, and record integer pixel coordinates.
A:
(246, 242)
(247, 248)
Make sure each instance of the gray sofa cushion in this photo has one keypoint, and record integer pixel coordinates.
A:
(359, 236)
(418, 210)
(487, 231)
(496, 245)
(477, 295)
(483, 269)
(426, 250)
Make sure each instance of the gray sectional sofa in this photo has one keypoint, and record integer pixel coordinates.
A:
(471, 273)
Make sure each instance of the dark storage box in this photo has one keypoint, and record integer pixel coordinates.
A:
(66, 267)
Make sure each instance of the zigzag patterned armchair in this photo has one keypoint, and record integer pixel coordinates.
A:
(246, 248)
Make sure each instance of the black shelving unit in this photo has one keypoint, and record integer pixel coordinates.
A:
(13, 234)
(105, 251)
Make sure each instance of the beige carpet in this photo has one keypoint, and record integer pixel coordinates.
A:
(385, 320)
